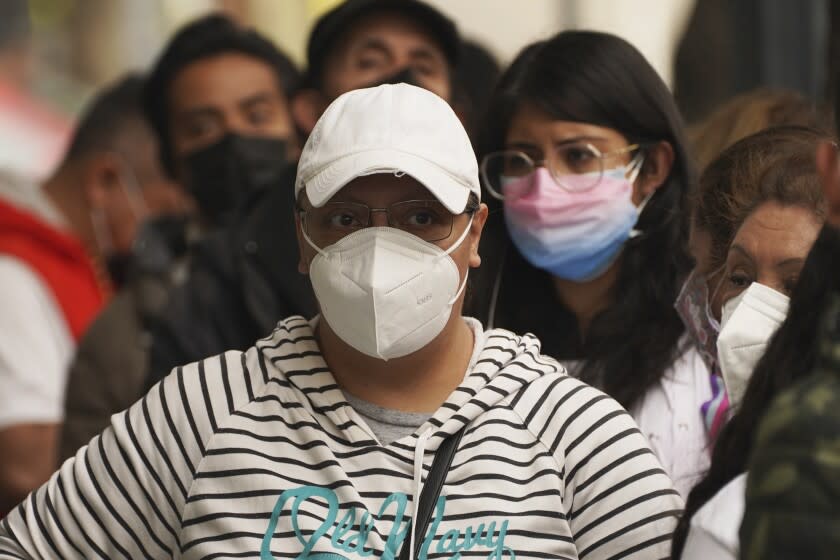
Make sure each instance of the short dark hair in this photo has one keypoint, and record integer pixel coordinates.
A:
(203, 38)
(107, 117)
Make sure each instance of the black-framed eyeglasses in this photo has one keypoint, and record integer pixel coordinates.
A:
(429, 220)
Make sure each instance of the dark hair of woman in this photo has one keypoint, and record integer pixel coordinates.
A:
(787, 175)
(598, 79)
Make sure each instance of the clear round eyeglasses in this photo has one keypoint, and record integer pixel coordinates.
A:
(584, 161)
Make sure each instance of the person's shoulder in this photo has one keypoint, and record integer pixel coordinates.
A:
(24, 293)
(520, 349)
(240, 377)
(18, 275)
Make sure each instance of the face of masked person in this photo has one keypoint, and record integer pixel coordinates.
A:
(379, 49)
(380, 46)
(231, 131)
(388, 290)
(762, 269)
(570, 190)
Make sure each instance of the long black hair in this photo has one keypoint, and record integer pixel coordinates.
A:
(599, 79)
(789, 177)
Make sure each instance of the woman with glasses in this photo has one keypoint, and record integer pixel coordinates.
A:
(584, 153)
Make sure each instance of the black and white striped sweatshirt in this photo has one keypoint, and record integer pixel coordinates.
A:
(258, 455)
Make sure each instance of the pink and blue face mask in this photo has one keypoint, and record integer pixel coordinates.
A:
(573, 234)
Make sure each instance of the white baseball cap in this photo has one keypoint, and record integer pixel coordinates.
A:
(392, 128)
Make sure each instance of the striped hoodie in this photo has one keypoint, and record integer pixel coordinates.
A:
(259, 455)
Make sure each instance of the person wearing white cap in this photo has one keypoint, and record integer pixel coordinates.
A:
(388, 427)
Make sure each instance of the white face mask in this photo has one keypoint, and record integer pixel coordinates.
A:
(748, 322)
(385, 292)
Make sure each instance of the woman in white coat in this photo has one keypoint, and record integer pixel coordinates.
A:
(777, 212)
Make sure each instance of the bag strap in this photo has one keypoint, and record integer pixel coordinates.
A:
(431, 491)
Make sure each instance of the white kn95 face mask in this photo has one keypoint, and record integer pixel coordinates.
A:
(748, 322)
(385, 292)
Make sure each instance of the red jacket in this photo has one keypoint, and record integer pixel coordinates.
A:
(59, 259)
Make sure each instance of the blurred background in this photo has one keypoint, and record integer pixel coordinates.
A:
(55, 53)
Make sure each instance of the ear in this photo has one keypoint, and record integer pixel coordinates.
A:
(659, 159)
(828, 167)
(307, 107)
(479, 219)
(100, 175)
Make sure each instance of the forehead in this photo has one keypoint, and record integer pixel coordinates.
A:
(773, 232)
(221, 80)
(530, 124)
(382, 189)
(393, 30)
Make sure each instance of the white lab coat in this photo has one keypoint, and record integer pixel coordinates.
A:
(669, 416)
(713, 531)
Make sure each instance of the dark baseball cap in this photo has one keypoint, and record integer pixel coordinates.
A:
(332, 25)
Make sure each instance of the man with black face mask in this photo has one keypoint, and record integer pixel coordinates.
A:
(239, 294)
(218, 99)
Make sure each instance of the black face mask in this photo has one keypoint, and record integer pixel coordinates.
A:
(404, 76)
(225, 175)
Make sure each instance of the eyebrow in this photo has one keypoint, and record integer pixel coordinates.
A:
(259, 97)
(425, 53)
(744, 253)
(374, 43)
(564, 142)
(790, 261)
(197, 113)
(781, 264)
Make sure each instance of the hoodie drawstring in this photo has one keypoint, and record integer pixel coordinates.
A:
(419, 453)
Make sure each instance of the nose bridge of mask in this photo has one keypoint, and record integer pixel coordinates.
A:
(748, 323)
(760, 301)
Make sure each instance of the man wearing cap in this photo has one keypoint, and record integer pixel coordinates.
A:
(389, 426)
(357, 44)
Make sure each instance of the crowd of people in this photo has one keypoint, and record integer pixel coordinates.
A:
(407, 304)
